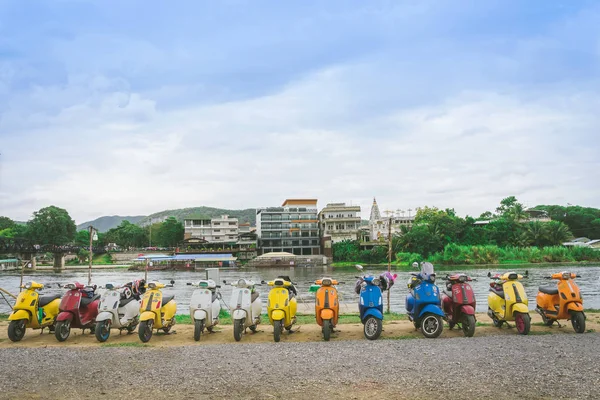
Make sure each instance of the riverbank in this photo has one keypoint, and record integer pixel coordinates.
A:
(442, 267)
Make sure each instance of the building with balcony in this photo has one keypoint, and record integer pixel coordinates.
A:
(340, 222)
(292, 228)
(222, 229)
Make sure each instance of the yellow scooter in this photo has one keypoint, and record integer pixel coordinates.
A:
(32, 311)
(156, 312)
(281, 306)
(507, 301)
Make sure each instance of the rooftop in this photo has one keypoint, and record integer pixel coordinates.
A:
(299, 202)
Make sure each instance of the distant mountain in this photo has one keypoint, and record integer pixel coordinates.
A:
(103, 224)
(244, 216)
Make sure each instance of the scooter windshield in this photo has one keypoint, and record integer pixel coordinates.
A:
(427, 271)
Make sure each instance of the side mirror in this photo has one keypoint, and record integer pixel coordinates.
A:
(189, 283)
(263, 282)
(526, 273)
(172, 281)
(224, 281)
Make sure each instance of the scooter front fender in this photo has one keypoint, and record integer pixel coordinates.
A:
(147, 316)
(199, 315)
(19, 314)
(104, 316)
(467, 309)
(574, 306)
(372, 312)
(65, 316)
(277, 315)
(521, 308)
(239, 314)
(327, 313)
(432, 309)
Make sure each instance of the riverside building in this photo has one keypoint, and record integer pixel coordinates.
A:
(214, 230)
(291, 228)
(340, 222)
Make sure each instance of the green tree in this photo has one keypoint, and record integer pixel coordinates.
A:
(17, 231)
(127, 235)
(556, 233)
(170, 232)
(52, 225)
(536, 233)
(6, 223)
(346, 250)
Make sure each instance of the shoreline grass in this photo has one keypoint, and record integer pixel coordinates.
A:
(443, 267)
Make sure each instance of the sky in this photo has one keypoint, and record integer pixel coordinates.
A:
(129, 108)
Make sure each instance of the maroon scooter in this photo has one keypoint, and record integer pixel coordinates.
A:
(78, 309)
(458, 303)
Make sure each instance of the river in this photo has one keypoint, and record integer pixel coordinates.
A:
(589, 283)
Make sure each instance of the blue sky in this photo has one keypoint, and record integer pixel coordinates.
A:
(133, 107)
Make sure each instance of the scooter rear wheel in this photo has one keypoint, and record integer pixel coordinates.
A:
(145, 330)
(277, 329)
(578, 322)
(16, 330)
(102, 330)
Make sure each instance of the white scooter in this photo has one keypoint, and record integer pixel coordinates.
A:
(246, 307)
(118, 309)
(205, 306)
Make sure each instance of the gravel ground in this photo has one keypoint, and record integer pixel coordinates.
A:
(501, 367)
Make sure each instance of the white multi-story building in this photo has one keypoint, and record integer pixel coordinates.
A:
(340, 222)
(291, 228)
(216, 230)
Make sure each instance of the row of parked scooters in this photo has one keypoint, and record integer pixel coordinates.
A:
(141, 303)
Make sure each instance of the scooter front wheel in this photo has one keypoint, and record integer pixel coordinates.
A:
(277, 329)
(431, 325)
(372, 328)
(523, 323)
(326, 329)
(238, 328)
(198, 328)
(145, 330)
(102, 330)
(62, 330)
(16, 330)
(468, 325)
(578, 322)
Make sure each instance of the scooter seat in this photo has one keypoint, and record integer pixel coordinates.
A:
(167, 299)
(86, 301)
(499, 292)
(254, 296)
(549, 289)
(45, 300)
(123, 303)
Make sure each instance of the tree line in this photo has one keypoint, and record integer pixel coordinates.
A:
(442, 236)
(54, 226)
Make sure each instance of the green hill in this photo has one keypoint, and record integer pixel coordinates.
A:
(244, 216)
(103, 224)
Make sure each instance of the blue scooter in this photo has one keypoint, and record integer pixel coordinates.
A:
(423, 303)
(370, 305)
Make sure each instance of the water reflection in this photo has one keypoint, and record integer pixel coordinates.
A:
(589, 283)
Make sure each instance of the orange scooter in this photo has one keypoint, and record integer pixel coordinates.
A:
(561, 302)
(327, 306)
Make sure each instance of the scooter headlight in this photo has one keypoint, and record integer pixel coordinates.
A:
(70, 286)
(241, 283)
(566, 275)
(326, 282)
(152, 285)
(28, 285)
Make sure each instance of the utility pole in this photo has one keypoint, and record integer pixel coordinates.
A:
(389, 259)
(92, 232)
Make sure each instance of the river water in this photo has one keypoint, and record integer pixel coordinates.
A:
(589, 283)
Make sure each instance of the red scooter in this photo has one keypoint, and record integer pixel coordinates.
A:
(458, 303)
(78, 309)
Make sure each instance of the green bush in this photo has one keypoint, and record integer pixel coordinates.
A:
(408, 258)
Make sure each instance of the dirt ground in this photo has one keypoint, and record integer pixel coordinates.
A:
(183, 334)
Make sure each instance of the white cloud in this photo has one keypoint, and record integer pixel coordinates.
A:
(107, 150)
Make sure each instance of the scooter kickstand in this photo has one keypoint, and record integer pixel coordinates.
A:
(559, 325)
